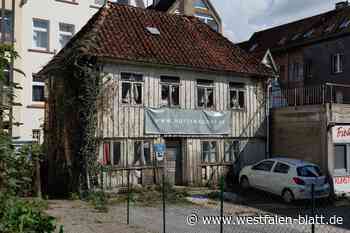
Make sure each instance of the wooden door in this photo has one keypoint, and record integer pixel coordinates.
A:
(173, 158)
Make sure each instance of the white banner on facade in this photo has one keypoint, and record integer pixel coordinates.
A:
(341, 134)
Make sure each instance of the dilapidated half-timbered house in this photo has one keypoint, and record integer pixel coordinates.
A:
(165, 77)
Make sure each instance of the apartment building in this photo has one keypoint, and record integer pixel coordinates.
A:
(42, 29)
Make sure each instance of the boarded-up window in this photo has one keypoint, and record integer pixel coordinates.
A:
(131, 88)
(209, 152)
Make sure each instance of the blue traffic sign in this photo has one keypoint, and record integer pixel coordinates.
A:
(159, 148)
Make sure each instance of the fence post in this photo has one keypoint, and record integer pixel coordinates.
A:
(128, 201)
(163, 181)
(221, 203)
(313, 206)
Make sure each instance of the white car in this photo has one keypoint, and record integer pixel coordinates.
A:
(291, 179)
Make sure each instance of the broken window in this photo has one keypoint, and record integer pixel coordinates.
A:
(308, 34)
(209, 152)
(106, 153)
(131, 88)
(205, 93)
(232, 149)
(170, 91)
(237, 95)
(142, 153)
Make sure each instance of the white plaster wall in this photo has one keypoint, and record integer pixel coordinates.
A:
(32, 62)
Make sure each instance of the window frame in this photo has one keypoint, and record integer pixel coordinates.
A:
(346, 171)
(266, 161)
(132, 84)
(237, 90)
(337, 63)
(38, 133)
(65, 33)
(34, 29)
(41, 85)
(279, 172)
(144, 163)
(205, 18)
(198, 6)
(233, 150)
(170, 84)
(111, 152)
(206, 87)
(210, 152)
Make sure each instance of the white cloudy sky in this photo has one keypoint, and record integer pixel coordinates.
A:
(242, 17)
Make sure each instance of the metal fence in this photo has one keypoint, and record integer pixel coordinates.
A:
(232, 210)
(310, 95)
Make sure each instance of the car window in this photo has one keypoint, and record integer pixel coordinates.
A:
(281, 168)
(309, 171)
(264, 166)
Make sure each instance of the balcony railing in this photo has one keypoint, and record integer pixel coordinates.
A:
(310, 95)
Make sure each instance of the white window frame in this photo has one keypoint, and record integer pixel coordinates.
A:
(337, 63)
(38, 29)
(142, 160)
(133, 85)
(65, 33)
(38, 84)
(237, 90)
(216, 151)
(170, 85)
(206, 87)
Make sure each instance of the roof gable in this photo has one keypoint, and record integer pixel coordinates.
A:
(119, 32)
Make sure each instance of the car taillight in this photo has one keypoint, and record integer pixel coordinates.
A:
(298, 181)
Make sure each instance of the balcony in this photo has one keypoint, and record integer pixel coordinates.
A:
(311, 95)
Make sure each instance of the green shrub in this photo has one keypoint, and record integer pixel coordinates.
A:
(23, 216)
(99, 200)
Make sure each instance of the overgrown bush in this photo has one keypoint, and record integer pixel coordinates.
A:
(24, 216)
(99, 200)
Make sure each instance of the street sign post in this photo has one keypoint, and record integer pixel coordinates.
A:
(159, 149)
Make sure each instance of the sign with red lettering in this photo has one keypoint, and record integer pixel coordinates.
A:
(341, 134)
(341, 184)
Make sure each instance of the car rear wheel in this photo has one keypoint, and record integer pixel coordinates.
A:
(287, 196)
(245, 183)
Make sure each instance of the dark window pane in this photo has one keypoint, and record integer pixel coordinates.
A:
(38, 93)
(241, 99)
(210, 97)
(147, 152)
(165, 95)
(116, 153)
(169, 79)
(340, 157)
(205, 82)
(264, 166)
(237, 85)
(126, 90)
(281, 168)
(233, 99)
(309, 171)
(138, 93)
(175, 95)
(201, 97)
(137, 154)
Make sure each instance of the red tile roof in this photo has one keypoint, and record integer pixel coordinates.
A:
(118, 32)
(293, 34)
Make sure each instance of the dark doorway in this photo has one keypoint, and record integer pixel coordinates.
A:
(173, 157)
